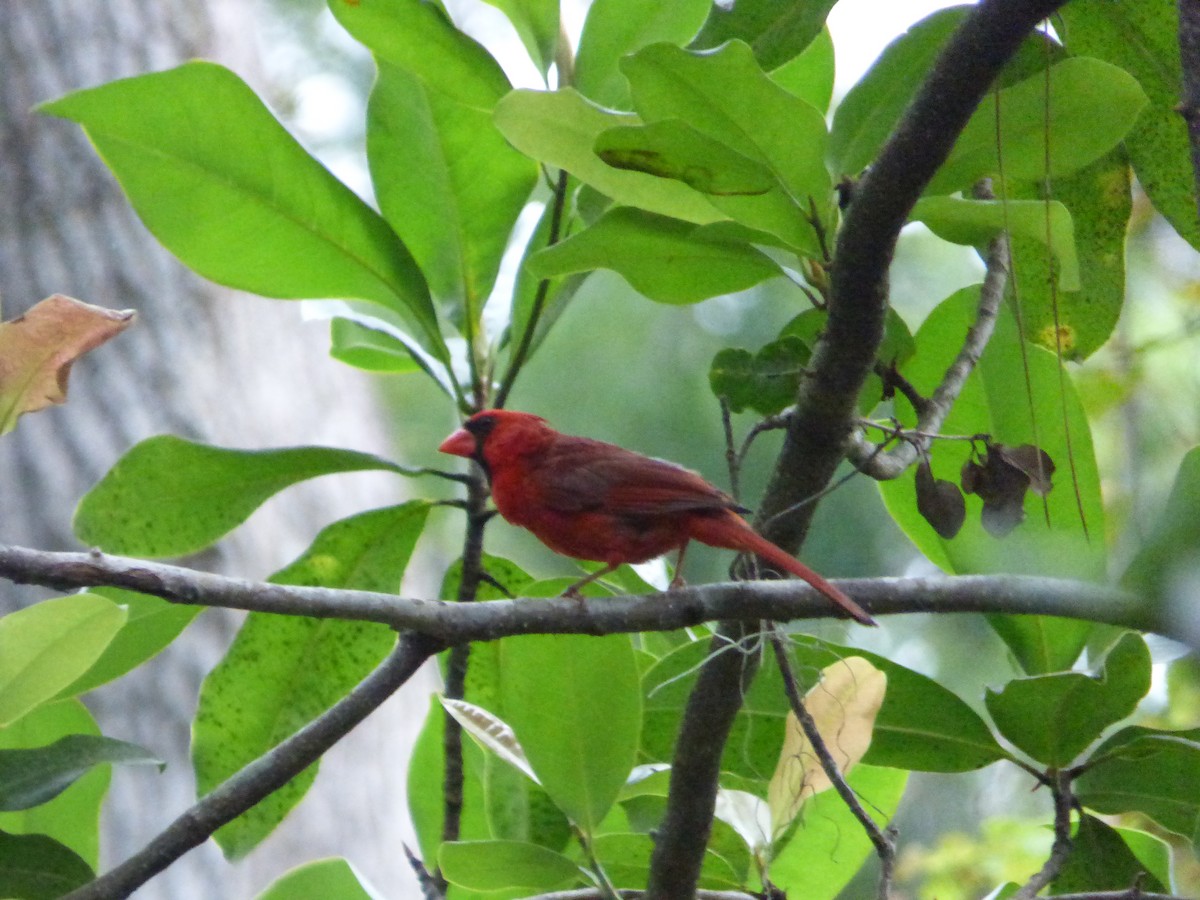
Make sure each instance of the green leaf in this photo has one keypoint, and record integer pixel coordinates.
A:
(1100, 860)
(419, 37)
(536, 21)
(576, 708)
(1056, 717)
(47, 646)
(329, 879)
(673, 149)
(35, 867)
(766, 381)
(614, 28)
(829, 846)
(1098, 197)
(1160, 570)
(725, 95)
(283, 671)
(73, 817)
(560, 128)
(151, 624)
(168, 496)
(226, 189)
(1141, 38)
(975, 222)
(995, 401)
(496, 865)
(664, 259)
(447, 182)
(870, 110)
(1154, 774)
(777, 32)
(1093, 105)
(809, 76)
(920, 726)
(371, 349)
(30, 777)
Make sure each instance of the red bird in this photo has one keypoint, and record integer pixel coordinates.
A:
(593, 500)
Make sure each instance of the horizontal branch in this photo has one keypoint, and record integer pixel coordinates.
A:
(452, 623)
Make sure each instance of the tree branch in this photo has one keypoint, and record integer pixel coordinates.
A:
(1060, 790)
(745, 601)
(826, 404)
(266, 774)
(931, 414)
(1189, 57)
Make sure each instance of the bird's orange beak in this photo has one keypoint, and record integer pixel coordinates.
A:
(461, 443)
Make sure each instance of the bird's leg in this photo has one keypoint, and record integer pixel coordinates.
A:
(677, 581)
(573, 590)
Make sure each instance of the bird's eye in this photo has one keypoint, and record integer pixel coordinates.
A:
(480, 426)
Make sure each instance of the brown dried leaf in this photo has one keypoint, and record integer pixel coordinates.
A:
(1033, 461)
(38, 349)
(940, 502)
(844, 705)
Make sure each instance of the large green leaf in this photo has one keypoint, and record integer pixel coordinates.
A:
(283, 671)
(1099, 201)
(829, 846)
(920, 726)
(329, 879)
(151, 624)
(35, 867)
(47, 646)
(73, 817)
(560, 128)
(870, 110)
(725, 95)
(1055, 717)
(35, 775)
(614, 28)
(226, 189)
(1160, 570)
(776, 31)
(809, 76)
(575, 706)
(1101, 860)
(536, 21)
(664, 259)
(975, 222)
(168, 496)
(446, 180)
(1091, 105)
(497, 865)
(995, 401)
(1154, 774)
(1142, 39)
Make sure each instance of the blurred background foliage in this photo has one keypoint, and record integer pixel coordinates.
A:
(627, 370)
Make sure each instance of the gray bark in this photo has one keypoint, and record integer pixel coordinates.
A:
(201, 362)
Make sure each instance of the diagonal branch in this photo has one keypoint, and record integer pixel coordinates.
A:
(826, 405)
(265, 775)
(1060, 789)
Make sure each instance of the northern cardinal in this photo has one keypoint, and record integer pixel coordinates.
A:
(593, 500)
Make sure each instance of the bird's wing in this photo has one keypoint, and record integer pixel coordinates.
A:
(581, 475)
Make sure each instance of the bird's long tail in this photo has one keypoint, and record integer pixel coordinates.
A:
(734, 533)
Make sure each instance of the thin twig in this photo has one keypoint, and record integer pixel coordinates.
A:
(1060, 789)
(558, 202)
(884, 844)
(732, 460)
(431, 889)
(265, 775)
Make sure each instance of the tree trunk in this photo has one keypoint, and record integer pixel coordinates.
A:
(201, 362)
